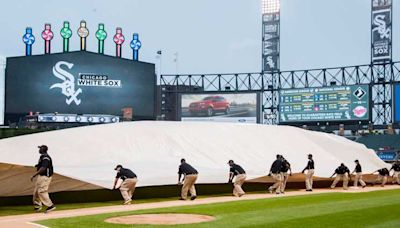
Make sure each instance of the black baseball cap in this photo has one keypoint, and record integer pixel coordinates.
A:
(230, 161)
(43, 148)
(118, 166)
(356, 160)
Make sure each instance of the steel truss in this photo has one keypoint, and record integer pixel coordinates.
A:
(380, 77)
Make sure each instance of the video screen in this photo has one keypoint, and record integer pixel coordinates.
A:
(79, 83)
(240, 108)
(337, 103)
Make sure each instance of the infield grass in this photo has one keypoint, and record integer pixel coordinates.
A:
(370, 209)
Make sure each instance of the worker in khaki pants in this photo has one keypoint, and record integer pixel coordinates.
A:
(342, 173)
(396, 173)
(276, 174)
(44, 173)
(382, 176)
(189, 179)
(237, 172)
(284, 171)
(358, 177)
(129, 180)
(310, 173)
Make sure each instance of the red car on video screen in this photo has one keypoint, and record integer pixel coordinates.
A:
(209, 106)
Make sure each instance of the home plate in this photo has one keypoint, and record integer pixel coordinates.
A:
(161, 219)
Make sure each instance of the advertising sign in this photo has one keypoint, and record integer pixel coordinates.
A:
(240, 108)
(338, 103)
(381, 33)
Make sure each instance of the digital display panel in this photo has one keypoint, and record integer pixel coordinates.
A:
(240, 108)
(79, 83)
(336, 103)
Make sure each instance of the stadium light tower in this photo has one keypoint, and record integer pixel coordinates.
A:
(270, 35)
(270, 6)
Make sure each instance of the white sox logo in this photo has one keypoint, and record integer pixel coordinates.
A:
(381, 28)
(270, 62)
(68, 85)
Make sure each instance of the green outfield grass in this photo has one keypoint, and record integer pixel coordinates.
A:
(372, 209)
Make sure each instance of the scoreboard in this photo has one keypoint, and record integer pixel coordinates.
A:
(325, 104)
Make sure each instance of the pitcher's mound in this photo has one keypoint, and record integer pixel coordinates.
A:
(161, 219)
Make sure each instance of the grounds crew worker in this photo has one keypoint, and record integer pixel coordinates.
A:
(342, 173)
(309, 174)
(129, 180)
(275, 172)
(44, 173)
(396, 173)
(285, 175)
(189, 179)
(238, 172)
(358, 177)
(382, 177)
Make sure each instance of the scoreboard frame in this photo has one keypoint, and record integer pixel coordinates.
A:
(330, 122)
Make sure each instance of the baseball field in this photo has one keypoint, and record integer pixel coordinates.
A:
(370, 207)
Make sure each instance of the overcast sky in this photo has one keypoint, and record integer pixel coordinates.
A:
(211, 36)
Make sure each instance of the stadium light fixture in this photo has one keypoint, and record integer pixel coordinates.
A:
(66, 33)
(270, 6)
(83, 32)
(136, 45)
(28, 39)
(47, 36)
(119, 39)
(101, 35)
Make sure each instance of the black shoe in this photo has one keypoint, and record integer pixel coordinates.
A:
(193, 197)
(51, 208)
(364, 186)
(37, 209)
(182, 199)
(309, 190)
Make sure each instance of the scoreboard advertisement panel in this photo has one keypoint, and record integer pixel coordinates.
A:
(325, 104)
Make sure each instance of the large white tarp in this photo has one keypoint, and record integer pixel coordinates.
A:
(153, 150)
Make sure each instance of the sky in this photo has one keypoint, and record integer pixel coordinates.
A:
(210, 36)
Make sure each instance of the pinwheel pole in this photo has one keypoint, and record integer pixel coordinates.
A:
(28, 39)
(47, 36)
(118, 40)
(66, 33)
(101, 35)
(83, 32)
(135, 45)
